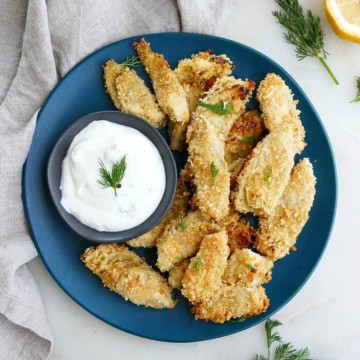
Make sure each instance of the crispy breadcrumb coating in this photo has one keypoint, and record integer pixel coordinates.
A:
(170, 94)
(203, 275)
(232, 301)
(277, 233)
(266, 172)
(279, 108)
(177, 243)
(238, 230)
(136, 98)
(176, 274)
(210, 298)
(196, 75)
(206, 149)
(247, 268)
(124, 272)
(206, 136)
(246, 132)
(234, 92)
(111, 71)
(177, 210)
(129, 93)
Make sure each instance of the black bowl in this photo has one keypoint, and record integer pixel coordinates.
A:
(54, 168)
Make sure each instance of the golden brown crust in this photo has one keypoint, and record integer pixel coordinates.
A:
(177, 209)
(125, 273)
(206, 148)
(266, 172)
(176, 244)
(278, 233)
(169, 93)
(247, 268)
(176, 273)
(234, 92)
(111, 71)
(196, 75)
(238, 231)
(246, 132)
(135, 98)
(210, 298)
(206, 136)
(279, 108)
(232, 301)
(203, 275)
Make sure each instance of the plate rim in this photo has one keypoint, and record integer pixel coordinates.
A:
(244, 326)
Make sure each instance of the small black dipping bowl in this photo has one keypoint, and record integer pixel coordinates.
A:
(54, 169)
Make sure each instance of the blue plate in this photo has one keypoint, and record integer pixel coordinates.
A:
(82, 92)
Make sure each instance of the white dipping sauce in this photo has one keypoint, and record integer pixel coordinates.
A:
(141, 189)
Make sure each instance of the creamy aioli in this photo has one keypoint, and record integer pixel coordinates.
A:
(141, 189)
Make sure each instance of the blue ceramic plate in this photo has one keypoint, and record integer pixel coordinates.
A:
(82, 92)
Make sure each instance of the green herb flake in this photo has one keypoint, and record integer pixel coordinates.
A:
(251, 268)
(214, 170)
(220, 108)
(237, 320)
(198, 262)
(249, 139)
(267, 176)
(357, 97)
(112, 179)
(183, 225)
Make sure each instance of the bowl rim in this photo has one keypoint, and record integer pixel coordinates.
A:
(151, 133)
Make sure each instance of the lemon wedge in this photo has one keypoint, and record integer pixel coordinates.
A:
(344, 17)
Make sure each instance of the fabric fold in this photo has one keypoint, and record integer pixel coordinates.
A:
(43, 41)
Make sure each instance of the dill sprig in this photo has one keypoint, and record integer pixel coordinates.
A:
(112, 179)
(214, 170)
(220, 108)
(287, 351)
(304, 32)
(131, 62)
(284, 351)
(357, 97)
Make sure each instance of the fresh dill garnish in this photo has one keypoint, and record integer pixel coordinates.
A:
(270, 335)
(357, 97)
(114, 178)
(304, 32)
(261, 357)
(287, 351)
(197, 262)
(267, 176)
(251, 268)
(237, 320)
(220, 108)
(249, 139)
(284, 351)
(214, 170)
(131, 62)
(183, 225)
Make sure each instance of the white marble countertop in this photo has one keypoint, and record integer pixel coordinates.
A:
(324, 314)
